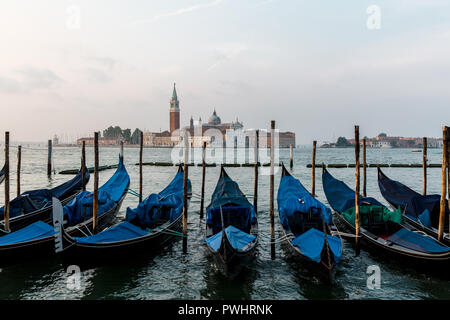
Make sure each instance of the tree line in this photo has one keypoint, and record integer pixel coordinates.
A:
(117, 133)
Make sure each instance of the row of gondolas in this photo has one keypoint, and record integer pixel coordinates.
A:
(39, 219)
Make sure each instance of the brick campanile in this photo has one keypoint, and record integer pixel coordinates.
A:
(174, 111)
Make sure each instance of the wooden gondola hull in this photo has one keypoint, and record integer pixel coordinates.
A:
(95, 253)
(319, 269)
(45, 247)
(421, 262)
(229, 261)
(44, 215)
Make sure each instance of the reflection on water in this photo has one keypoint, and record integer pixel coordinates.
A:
(170, 274)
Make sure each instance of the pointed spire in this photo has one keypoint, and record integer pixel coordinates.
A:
(174, 94)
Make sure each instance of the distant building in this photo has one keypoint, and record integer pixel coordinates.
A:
(208, 132)
(101, 141)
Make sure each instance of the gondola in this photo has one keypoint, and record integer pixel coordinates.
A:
(305, 221)
(36, 205)
(422, 212)
(37, 239)
(231, 227)
(155, 222)
(381, 230)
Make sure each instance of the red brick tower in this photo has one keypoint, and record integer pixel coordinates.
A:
(174, 111)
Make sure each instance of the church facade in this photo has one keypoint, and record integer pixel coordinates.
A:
(210, 131)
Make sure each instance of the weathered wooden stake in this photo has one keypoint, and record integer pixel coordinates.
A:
(19, 163)
(95, 202)
(255, 191)
(202, 200)
(291, 157)
(313, 189)
(364, 169)
(83, 165)
(141, 151)
(424, 166)
(272, 217)
(185, 178)
(49, 158)
(6, 216)
(121, 148)
(444, 183)
(357, 190)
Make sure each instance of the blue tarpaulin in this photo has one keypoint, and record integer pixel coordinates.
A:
(166, 205)
(340, 196)
(119, 232)
(415, 241)
(80, 207)
(33, 200)
(411, 202)
(228, 198)
(238, 239)
(311, 244)
(293, 197)
(31, 232)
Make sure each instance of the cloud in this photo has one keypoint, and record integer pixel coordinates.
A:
(227, 52)
(181, 11)
(105, 62)
(27, 79)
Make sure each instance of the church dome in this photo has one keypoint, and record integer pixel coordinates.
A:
(214, 119)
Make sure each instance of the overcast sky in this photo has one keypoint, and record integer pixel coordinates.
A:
(313, 66)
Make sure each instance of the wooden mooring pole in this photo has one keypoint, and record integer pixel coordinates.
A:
(272, 216)
(364, 169)
(202, 199)
(444, 183)
(6, 216)
(49, 158)
(256, 156)
(357, 190)
(19, 164)
(424, 166)
(95, 201)
(313, 188)
(141, 151)
(291, 157)
(121, 148)
(83, 165)
(185, 178)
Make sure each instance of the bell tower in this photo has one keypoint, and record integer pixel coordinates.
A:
(174, 111)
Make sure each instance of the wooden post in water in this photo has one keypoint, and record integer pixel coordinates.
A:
(313, 189)
(448, 173)
(364, 169)
(141, 151)
(291, 157)
(202, 199)
(6, 216)
(83, 165)
(424, 166)
(357, 190)
(95, 201)
(444, 183)
(121, 149)
(19, 163)
(49, 158)
(255, 191)
(185, 178)
(272, 217)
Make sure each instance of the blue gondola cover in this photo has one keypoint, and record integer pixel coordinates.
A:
(414, 241)
(293, 197)
(31, 232)
(119, 232)
(311, 244)
(238, 239)
(171, 199)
